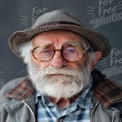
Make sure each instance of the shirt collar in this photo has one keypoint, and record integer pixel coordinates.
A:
(85, 100)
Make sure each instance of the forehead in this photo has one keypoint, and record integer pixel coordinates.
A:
(57, 37)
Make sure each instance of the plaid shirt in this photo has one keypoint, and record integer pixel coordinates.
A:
(79, 110)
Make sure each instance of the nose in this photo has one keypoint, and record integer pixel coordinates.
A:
(58, 61)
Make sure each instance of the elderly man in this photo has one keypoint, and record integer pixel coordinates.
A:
(62, 83)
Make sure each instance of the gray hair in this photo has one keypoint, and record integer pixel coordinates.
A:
(25, 52)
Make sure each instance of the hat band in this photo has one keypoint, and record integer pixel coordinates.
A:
(60, 22)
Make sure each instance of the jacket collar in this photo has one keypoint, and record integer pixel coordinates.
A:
(22, 91)
(105, 90)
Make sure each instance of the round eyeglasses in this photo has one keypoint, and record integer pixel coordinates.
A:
(69, 53)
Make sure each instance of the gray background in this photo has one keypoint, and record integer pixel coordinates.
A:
(19, 14)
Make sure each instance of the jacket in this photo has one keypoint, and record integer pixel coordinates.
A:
(17, 100)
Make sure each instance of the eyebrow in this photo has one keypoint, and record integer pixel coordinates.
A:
(45, 45)
(70, 43)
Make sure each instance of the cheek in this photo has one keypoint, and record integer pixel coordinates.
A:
(40, 65)
(75, 65)
(80, 64)
(43, 65)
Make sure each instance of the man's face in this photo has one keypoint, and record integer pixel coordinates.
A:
(58, 77)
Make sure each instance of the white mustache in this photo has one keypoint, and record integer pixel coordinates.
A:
(63, 71)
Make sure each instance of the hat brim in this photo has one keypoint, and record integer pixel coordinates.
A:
(97, 40)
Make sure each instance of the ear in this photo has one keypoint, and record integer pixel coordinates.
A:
(98, 56)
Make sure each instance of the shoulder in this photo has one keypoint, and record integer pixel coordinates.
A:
(115, 82)
(9, 86)
(107, 91)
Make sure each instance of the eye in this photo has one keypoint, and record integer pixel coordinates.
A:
(70, 50)
(46, 51)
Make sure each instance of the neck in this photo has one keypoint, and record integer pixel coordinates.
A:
(64, 102)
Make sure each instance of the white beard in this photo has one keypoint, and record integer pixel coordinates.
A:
(66, 86)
